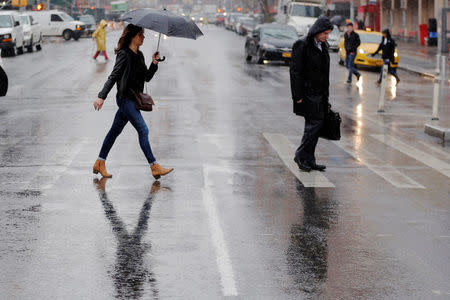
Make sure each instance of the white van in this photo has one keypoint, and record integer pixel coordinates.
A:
(11, 34)
(58, 23)
(32, 32)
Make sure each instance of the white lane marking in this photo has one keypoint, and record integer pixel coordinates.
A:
(286, 151)
(47, 176)
(387, 172)
(425, 158)
(222, 257)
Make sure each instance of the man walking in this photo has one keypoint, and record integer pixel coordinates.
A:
(351, 43)
(310, 72)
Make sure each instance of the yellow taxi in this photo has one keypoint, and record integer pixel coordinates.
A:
(370, 40)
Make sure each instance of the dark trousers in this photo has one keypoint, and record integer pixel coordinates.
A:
(392, 71)
(305, 153)
(128, 112)
(350, 64)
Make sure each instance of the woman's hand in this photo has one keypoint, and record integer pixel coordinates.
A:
(98, 104)
(155, 57)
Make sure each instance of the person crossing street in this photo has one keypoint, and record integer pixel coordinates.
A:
(100, 36)
(310, 72)
(351, 44)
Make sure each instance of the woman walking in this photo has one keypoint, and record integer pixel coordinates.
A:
(130, 74)
(100, 35)
(387, 45)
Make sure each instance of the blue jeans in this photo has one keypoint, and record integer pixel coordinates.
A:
(350, 64)
(127, 112)
(391, 71)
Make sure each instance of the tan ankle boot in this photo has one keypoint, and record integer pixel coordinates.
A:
(158, 171)
(99, 167)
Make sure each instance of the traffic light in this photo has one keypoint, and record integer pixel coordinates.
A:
(239, 9)
(92, 7)
(40, 6)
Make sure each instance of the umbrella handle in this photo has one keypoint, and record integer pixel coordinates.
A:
(161, 59)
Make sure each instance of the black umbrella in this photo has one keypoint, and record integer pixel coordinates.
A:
(3, 83)
(337, 20)
(164, 22)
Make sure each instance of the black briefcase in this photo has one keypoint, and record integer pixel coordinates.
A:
(331, 129)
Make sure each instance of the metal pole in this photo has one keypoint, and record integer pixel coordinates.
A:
(159, 39)
(352, 11)
(382, 89)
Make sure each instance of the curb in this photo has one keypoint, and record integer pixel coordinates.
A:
(438, 131)
(416, 70)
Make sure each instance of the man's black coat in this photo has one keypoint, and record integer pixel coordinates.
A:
(351, 42)
(310, 71)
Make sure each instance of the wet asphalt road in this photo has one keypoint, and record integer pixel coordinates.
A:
(232, 220)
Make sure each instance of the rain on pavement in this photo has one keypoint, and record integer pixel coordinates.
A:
(235, 218)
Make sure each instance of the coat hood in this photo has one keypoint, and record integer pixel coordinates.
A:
(322, 24)
(388, 33)
(103, 23)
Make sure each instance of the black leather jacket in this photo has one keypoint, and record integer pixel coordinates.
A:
(121, 74)
(352, 42)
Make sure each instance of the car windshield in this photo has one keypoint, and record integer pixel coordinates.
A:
(280, 33)
(249, 22)
(306, 11)
(24, 20)
(5, 21)
(370, 38)
(87, 19)
(65, 17)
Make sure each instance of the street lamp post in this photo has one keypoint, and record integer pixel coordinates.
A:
(352, 11)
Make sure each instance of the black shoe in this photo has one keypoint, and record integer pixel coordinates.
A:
(358, 76)
(398, 81)
(317, 167)
(302, 165)
(349, 81)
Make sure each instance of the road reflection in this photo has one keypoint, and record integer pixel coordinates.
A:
(307, 255)
(131, 273)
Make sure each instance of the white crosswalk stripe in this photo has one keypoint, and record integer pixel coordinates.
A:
(425, 158)
(387, 172)
(286, 151)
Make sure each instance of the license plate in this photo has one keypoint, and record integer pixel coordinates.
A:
(287, 54)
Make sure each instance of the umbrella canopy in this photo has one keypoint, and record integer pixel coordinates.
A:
(163, 21)
(337, 20)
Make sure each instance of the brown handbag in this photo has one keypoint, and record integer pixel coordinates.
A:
(143, 101)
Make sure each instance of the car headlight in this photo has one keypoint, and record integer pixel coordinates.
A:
(267, 46)
(7, 36)
(78, 27)
(361, 51)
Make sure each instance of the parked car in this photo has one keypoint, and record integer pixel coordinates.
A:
(11, 33)
(271, 42)
(58, 23)
(334, 38)
(370, 41)
(89, 21)
(32, 32)
(245, 25)
(234, 20)
(230, 21)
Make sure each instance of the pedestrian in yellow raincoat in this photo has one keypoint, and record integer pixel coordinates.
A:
(100, 36)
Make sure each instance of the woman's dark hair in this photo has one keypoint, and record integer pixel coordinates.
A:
(128, 34)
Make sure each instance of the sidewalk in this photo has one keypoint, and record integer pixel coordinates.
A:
(417, 58)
